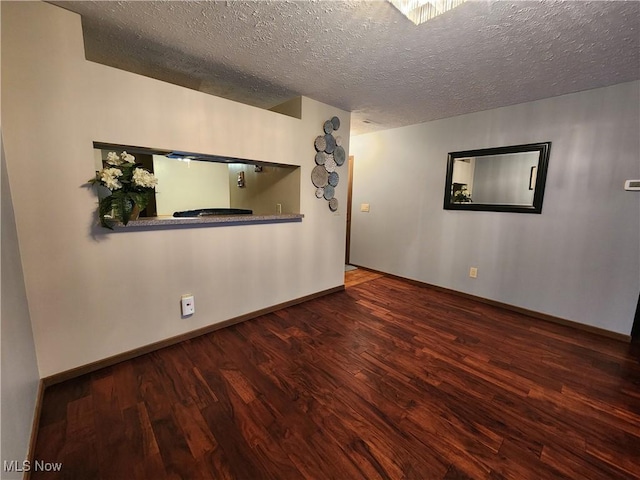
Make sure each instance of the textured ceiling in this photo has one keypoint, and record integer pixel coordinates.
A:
(363, 56)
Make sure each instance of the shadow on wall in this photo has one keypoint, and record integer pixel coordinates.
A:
(20, 375)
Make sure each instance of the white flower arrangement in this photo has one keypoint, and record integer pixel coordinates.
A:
(114, 159)
(130, 187)
(142, 178)
(462, 195)
(109, 176)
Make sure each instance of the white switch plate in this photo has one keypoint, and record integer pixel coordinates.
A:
(632, 185)
(364, 207)
(473, 272)
(188, 305)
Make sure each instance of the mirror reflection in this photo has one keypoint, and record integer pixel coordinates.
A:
(211, 184)
(497, 179)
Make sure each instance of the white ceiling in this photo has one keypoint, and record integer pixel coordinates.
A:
(363, 56)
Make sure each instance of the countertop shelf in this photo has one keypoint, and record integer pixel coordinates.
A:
(209, 220)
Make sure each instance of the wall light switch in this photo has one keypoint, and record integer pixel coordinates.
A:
(188, 305)
(473, 272)
(632, 185)
(364, 207)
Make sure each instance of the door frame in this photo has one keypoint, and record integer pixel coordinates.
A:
(635, 328)
(349, 202)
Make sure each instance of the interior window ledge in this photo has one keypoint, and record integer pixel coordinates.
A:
(209, 220)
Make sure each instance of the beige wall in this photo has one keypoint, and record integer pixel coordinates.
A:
(264, 190)
(578, 260)
(93, 293)
(188, 185)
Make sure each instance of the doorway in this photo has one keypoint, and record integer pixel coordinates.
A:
(349, 202)
(635, 329)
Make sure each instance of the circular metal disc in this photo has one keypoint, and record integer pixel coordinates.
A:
(319, 176)
(321, 157)
(333, 204)
(330, 143)
(328, 126)
(339, 140)
(334, 178)
(335, 121)
(330, 164)
(320, 143)
(329, 192)
(319, 192)
(339, 155)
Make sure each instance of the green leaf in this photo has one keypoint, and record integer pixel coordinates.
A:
(122, 206)
(140, 199)
(105, 206)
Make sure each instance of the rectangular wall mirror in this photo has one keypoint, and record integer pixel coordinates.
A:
(502, 179)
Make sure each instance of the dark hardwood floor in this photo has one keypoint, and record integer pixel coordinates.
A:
(384, 380)
(360, 275)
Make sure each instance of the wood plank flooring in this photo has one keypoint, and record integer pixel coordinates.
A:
(358, 276)
(385, 380)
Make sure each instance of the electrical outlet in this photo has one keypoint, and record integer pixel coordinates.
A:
(188, 305)
(473, 272)
(364, 207)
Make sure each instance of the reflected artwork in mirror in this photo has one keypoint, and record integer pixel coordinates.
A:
(502, 179)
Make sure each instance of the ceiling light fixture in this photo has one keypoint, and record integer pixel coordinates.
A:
(419, 11)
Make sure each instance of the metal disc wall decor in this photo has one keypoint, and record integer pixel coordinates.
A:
(329, 155)
(320, 143)
(319, 176)
(330, 165)
(329, 192)
(321, 157)
(330, 143)
(339, 156)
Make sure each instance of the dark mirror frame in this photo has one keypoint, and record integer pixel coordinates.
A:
(543, 150)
